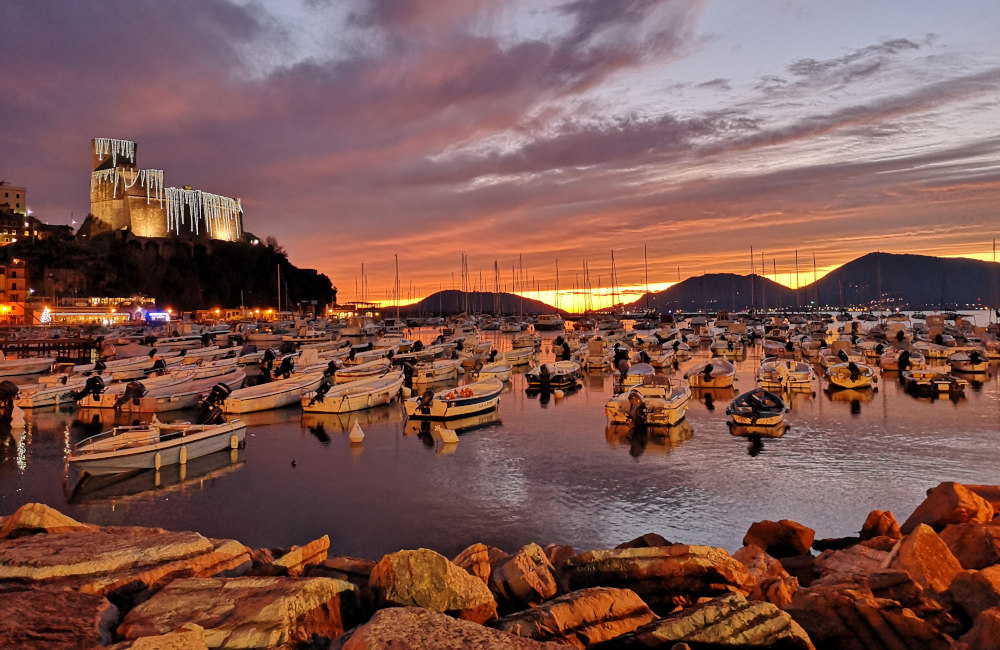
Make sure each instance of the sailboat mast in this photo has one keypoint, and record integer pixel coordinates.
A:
(645, 270)
(557, 283)
(279, 288)
(753, 296)
(396, 287)
(797, 305)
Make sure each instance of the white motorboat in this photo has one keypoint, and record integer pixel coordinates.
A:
(785, 374)
(457, 402)
(716, 372)
(974, 361)
(550, 322)
(138, 399)
(428, 372)
(550, 376)
(501, 370)
(374, 368)
(154, 445)
(50, 394)
(637, 373)
(96, 394)
(27, 366)
(519, 356)
(851, 375)
(353, 396)
(932, 382)
(272, 394)
(660, 404)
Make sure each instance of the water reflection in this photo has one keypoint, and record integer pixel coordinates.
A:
(651, 440)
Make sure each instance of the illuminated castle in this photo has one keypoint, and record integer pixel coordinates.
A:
(124, 196)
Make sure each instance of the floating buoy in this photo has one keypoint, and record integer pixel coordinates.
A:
(448, 436)
(356, 434)
(406, 392)
(17, 416)
(157, 461)
(234, 441)
(184, 456)
(559, 393)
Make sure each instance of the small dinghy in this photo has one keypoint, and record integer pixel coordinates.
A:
(757, 412)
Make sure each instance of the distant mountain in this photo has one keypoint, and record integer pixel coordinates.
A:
(453, 301)
(719, 291)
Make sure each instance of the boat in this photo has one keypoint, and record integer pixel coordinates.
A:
(519, 356)
(931, 382)
(549, 376)
(353, 396)
(974, 361)
(499, 370)
(851, 375)
(713, 373)
(892, 358)
(458, 402)
(367, 370)
(637, 373)
(153, 445)
(528, 340)
(428, 372)
(757, 413)
(137, 399)
(550, 322)
(651, 404)
(272, 394)
(785, 374)
(96, 394)
(26, 366)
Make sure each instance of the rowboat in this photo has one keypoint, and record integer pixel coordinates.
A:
(559, 374)
(428, 372)
(353, 396)
(367, 370)
(757, 413)
(650, 404)
(29, 366)
(637, 373)
(456, 403)
(931, 382)
(273, 394)
(137, 399)
(851, 375)
(785, 374)
(713, 373)
(519, 356)
(974, 361)
(153, 445)
(500, 370)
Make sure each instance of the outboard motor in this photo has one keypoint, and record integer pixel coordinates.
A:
(211, 404)
(267, 360)
(100, 366)
(424, 401)
(285, 369)
(331, 369)
(149, 340)
(134, 390)
(417, 346)
(974, 357)
(93, 387)
(321, 390)
(159, 367)
(842, 356)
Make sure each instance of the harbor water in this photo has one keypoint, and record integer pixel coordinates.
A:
(540, 469)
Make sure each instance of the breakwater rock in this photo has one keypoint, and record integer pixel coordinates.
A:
(933, 582)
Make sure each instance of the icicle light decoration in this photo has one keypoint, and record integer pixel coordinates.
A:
(151, 179)
(105, 176)
(115, 148)
(218, 212)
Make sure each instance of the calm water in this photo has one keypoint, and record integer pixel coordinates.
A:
(543, 471)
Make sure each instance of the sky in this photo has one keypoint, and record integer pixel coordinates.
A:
(532, 138)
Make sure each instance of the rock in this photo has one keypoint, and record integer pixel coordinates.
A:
(991, 493)
(188, 637)
(949, 503)
(858, 559)
(123, 563)
(726, 622)
(976, 591)
(834, 543)
(43, 617)
(880, 523)
(645, 541)
(476, 560)
(497, 557)
(974, 545)
(414, 628)
(34, 518)
(260, 557)
(774, 584)
(247, 612)
(424, 578)
(927, 559)
(782, 538)
(663, 576)
(581, 618)
(525, 580)
(294, 562)
(852, 619)
(985, 632)
(357, 571)
(558, 554)
(881, 543)
(801, 567)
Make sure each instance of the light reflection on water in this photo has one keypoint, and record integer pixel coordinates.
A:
(540, 470)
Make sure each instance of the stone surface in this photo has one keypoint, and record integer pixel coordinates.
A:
(33, 518)
(782, 538)
(188, 637)
(580, 618)
(525, 580)
(949, 503)
(774, 584)
(123, 563)
(645, 541)
(927, 559)
(43, 617)
(989, 492)
(247, 612)
(476, 560)
(424, 578)
(801, 567)
(857, 559)
(975, 546)
(726, 622)
(664, 576)
(880, 523)
(852, 619)
(413, 628)
(357, 571)
(294, 562)
(985, 632)
(976, 591)
(558, 554)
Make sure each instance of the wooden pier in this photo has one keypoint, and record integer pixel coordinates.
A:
(65, 350)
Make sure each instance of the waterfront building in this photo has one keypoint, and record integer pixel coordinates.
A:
(13, 199)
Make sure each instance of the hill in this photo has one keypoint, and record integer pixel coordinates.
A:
(719, 291)
(453, 301)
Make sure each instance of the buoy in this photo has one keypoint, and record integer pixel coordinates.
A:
(234, 441)
(356, 434)
(17, 416)
(448, 436)
(559, 393)
(184, 456)
(407, 392)
(157, 461)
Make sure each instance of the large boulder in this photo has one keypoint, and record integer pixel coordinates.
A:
(125, 564)
(525, 580)
(989, 492)
(294, 561)
(727, 622)
(880, 523)
(424, 578)
(976, 591)
(415, 628)
(841, 618)
(949, 503)
(34, 518)
(43, 617)
(783, 538)
(645, 541)
(985, 632)
(476, 560)
(857, 559)
(248, 612)
(355, 570)
(774, 584)
(927, 559)
(974, 545)
(188, 637)
(664, 576)
(581, 618)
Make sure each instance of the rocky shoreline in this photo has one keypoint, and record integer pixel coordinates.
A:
(932, 582)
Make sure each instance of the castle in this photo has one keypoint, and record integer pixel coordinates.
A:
(124, 196)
